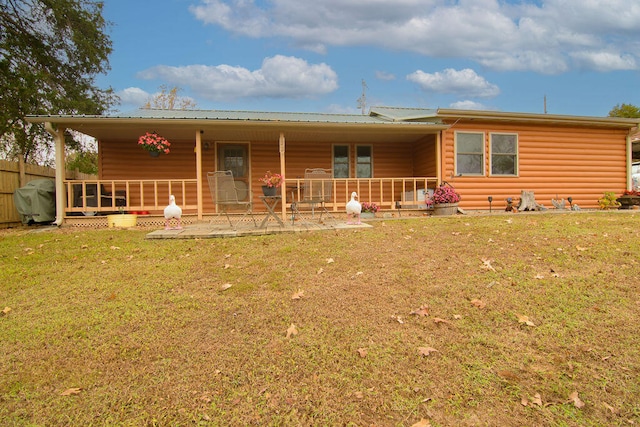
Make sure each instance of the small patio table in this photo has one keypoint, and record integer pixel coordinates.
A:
(271, 202)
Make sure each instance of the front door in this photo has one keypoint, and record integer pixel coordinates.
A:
(234, 157)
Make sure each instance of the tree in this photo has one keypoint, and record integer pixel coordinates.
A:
(169, 100)
(625, 110)
(50, 54)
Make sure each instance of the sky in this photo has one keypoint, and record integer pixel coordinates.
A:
(574, 57)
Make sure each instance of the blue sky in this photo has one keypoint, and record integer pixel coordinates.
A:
(312, 56)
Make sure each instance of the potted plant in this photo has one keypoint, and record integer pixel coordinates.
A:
(154, 144)
(609, 201)
(445, 200)
(270, 183)
(629, 200)
(369, 210)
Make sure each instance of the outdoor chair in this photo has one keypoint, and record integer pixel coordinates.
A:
(224, 193)
(316, 192)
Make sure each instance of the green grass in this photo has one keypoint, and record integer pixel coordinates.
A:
(146, 332)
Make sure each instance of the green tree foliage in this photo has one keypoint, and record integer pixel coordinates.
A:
(168, 99)
(50, 54)
(625, 110)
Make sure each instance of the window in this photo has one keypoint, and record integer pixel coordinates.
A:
(504, 154)
(341, 161)
(469, 153)
(364, 165)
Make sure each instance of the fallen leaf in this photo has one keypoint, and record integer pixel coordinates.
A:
(320, 270)
(478, 303)
(422, 423)
(525, 320)
(398, 319)
(422, 311)
(486, 264)
(6, 311)
(115, 247)
(537, 399)
(226, 286)
(299, 294)
(226, 266)
(457, 316)
(524, 401)
(426, 351)
(330, 260)
(359, 395)
(292, 330)
(439, 320)
(362, 352)
(539, 276)
(70, 391)
(84, 246)
(580, 248)
(576, 400)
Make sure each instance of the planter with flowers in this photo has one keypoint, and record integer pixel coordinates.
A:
(270, 183)
(445, 200)
(369, 210)
(154, 144)
(629, 200)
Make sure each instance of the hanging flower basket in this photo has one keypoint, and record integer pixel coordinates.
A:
(154, 144)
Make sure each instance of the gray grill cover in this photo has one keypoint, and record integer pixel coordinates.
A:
(36, 201)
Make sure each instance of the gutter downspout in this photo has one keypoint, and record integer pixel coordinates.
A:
(58, 137)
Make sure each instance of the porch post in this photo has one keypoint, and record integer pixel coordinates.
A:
(283, 191)
(58, 137)
(199, 173)
(439, 157)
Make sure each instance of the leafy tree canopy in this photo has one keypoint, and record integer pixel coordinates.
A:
(625, 110)
(50, 54)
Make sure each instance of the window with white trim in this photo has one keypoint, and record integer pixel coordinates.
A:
(504, 154)
(469, 153)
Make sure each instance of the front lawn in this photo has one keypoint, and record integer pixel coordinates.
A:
(504, 320)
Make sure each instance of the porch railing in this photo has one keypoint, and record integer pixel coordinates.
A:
(130, 195)
(103, 196)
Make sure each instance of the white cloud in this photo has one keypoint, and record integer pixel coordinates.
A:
(546, 36)
(469, 105)
(463, 82)
(383, 75)
(280, 76)
(133, 96)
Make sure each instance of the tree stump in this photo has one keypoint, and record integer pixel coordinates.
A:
(528, 202)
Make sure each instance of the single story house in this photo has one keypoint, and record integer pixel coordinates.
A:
(391, 157)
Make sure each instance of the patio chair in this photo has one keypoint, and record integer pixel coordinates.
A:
(317, 191)
(224, 193)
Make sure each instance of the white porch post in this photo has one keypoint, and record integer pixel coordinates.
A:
(439, 157)
(199, 172)
(283, 191)
(61, 194)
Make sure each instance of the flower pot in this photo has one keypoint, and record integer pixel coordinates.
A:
(269, 191)
(445, 209)
(367, 215)
(154, 154)
(122, 220)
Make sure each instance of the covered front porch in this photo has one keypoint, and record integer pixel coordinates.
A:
(389, 161)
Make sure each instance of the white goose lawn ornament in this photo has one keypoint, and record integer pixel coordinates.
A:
(354, 208)
(172, 211)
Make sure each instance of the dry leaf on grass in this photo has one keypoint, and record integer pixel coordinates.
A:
(320, 270)
(438, 320)
(297, 295)
(525, 320)
(359, 395)
(226, 286)
(6, 311)
(422, 311)
(580, 248)
(362, 352)
(330, 260)
(537, 399)
(486, 264)
(478, 303)
(422, 423)
(426, 351)
(576, 400)
(292, 330)
(70, 391)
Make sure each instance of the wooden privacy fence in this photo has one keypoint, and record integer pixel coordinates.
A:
(10, 181)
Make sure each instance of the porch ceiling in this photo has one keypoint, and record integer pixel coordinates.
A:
(118, 130)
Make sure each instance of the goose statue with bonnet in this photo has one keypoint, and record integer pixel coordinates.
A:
(354, 209)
